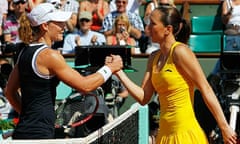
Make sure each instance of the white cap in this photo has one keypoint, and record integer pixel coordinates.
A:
(46, 12)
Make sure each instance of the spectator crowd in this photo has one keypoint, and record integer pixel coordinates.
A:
(93, 22)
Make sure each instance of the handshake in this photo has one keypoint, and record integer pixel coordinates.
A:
(114, 62)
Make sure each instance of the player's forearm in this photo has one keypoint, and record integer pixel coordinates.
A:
(133, 89)
(215, 108)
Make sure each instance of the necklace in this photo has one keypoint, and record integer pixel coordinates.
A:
(163, 57)
(161, 61)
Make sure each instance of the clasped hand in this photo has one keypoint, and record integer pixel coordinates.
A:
(114, 62)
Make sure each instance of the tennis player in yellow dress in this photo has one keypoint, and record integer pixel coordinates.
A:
(174, 72)
(176, 94)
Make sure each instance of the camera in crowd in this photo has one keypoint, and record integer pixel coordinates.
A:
(122, 29)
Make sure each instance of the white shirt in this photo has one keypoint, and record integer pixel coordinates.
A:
(133, 6)
(85, 39)
(235, 18)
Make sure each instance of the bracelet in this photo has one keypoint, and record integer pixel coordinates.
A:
(106, 72)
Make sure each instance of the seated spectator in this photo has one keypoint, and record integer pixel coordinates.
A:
(11, 25)
(98, 8)
(133, 5)
(71, 6)
(3, 15)
(68, 6)
(231, 20)
(84, 36)
(121, 30)
(137, 29)
(135, 20)
(6, 110)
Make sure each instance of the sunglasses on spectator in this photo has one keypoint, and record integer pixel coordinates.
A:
(123, 2)
(163, 4)
(84, 20)
(19, 2)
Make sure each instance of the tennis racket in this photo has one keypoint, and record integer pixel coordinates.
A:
(77, 109)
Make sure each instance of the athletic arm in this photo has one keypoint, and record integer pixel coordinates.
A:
(226, 14)
(188, 64)
(55, 63)
(141, 94)
(11, 90)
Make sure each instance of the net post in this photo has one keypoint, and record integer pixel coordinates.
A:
(143, 123)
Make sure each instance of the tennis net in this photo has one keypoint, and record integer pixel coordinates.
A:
(131, 127)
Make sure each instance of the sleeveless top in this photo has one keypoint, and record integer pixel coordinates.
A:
(38, 92)
(114, 40)
(177, 124)
(96, 22)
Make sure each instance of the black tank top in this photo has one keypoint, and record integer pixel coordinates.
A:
(38, 92)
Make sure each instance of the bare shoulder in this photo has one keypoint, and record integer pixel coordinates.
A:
(182, 50)
(51, 56)
(183, 53)
(152, 55)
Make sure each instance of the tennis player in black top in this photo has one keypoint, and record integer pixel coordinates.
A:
(38, 70)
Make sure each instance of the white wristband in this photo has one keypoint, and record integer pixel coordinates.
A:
(106, 72)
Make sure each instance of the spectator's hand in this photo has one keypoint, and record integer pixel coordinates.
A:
(77, 41)
(114, 62)
(125, 35)
(119, 36)
(229, 136)
(94, 39)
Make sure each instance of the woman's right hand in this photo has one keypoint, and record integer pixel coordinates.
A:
(229, 135)
(114, 62)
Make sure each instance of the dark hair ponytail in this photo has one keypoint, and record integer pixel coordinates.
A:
(184, 33)
(171, 16)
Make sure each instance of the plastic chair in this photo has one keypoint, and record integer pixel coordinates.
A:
(206, 25)
(205, 43)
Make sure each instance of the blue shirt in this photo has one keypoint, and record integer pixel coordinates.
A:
(85, 39)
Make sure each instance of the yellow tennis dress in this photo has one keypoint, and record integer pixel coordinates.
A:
(177, 124)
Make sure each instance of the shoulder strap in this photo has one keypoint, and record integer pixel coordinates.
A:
(172, 49)
(155, 59)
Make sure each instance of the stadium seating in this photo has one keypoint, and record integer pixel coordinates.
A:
(206, 36)
(205, 43)
(206, 25)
